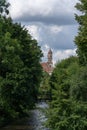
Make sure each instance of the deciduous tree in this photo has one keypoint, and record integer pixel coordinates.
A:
(81, 38)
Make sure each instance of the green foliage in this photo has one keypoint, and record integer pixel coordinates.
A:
(4, 7)
(44, 89)
(68, 107)
(20, 69)
(81, 38)
(79, 85)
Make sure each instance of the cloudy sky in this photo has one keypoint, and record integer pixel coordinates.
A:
(51, 22)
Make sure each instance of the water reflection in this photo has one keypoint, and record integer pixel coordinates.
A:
(34, 122)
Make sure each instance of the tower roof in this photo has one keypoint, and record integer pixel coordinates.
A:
(48, 66)
(50, 51)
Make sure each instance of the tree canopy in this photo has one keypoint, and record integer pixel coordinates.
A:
(81, 38)
(20, 69)
(68, 108)
(4, 7)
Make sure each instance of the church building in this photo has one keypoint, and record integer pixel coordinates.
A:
(48, 66)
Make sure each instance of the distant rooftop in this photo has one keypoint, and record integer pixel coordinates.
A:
(48, 66)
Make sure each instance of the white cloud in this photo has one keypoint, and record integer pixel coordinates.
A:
(34, 31)
(16, 8)
(45, 49)
(62, 54)
(46, 20)
(55, 29)
(21, 7)
(41, 7)
(57, 54)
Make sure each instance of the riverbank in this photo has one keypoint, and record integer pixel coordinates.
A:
(35, 121)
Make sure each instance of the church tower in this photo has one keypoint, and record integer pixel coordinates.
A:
(48, 66)
(49, 56)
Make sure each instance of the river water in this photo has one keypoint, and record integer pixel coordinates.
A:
(35, 121)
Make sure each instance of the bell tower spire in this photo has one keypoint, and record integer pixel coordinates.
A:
(48, 66)
(49, 56)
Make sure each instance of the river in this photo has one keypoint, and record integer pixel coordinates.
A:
(35, 121)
